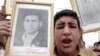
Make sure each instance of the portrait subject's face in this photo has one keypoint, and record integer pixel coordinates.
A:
(31, 24)
(67, 34)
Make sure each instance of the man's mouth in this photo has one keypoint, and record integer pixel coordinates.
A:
(66, 41)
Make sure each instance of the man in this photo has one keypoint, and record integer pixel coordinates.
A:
(67, 32)
(32, 35)
(97, 48)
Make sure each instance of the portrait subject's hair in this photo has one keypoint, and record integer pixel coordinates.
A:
(67, 12)
(39, 16)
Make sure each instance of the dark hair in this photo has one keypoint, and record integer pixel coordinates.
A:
(39, 16)
(95, 44)
(98, 43)
(66, 12)
(84, 42)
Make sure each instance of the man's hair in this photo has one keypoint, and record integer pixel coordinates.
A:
(84, 42)
(67, 12)
(39, 16)
(95, 44)
(98, 43)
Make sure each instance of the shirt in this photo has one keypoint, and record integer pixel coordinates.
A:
(85, 52)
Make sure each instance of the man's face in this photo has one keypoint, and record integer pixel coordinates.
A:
(31, 23)
(67, 34)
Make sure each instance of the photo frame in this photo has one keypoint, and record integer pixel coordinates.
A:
(88, 12)
(9, 5)
(32, 30)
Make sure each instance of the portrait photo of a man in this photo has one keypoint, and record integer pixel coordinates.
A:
(31, 28)
(89, 11)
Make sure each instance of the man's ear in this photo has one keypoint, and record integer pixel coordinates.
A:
(41, 24)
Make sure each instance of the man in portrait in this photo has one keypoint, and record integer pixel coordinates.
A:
(33, 35)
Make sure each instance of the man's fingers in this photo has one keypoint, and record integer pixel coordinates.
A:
(5, 28)
(4, 22)
(4, 33)
(5, 25)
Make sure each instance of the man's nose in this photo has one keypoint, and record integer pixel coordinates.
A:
(66, 30)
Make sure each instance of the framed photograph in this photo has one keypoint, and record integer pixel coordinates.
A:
(32, 30)
(10, 3)
(89, 13)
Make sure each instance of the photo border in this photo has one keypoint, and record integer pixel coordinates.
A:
(51, 30)
(7, 5)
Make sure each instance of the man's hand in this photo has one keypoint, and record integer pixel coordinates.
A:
(4, 27)
(4, 31)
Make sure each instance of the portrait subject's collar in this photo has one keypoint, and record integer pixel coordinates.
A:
(25, 35)
(27, 39)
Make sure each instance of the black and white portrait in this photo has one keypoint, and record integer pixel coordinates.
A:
(89, 11)
(31, 28)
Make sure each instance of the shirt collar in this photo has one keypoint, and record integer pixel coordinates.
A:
(25, 36)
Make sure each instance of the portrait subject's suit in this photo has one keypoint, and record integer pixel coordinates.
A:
(39, 41)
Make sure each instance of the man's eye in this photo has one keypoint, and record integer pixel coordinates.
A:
(60, 27)
(71, 26)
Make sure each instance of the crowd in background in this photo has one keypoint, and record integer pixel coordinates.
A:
(95, 47)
